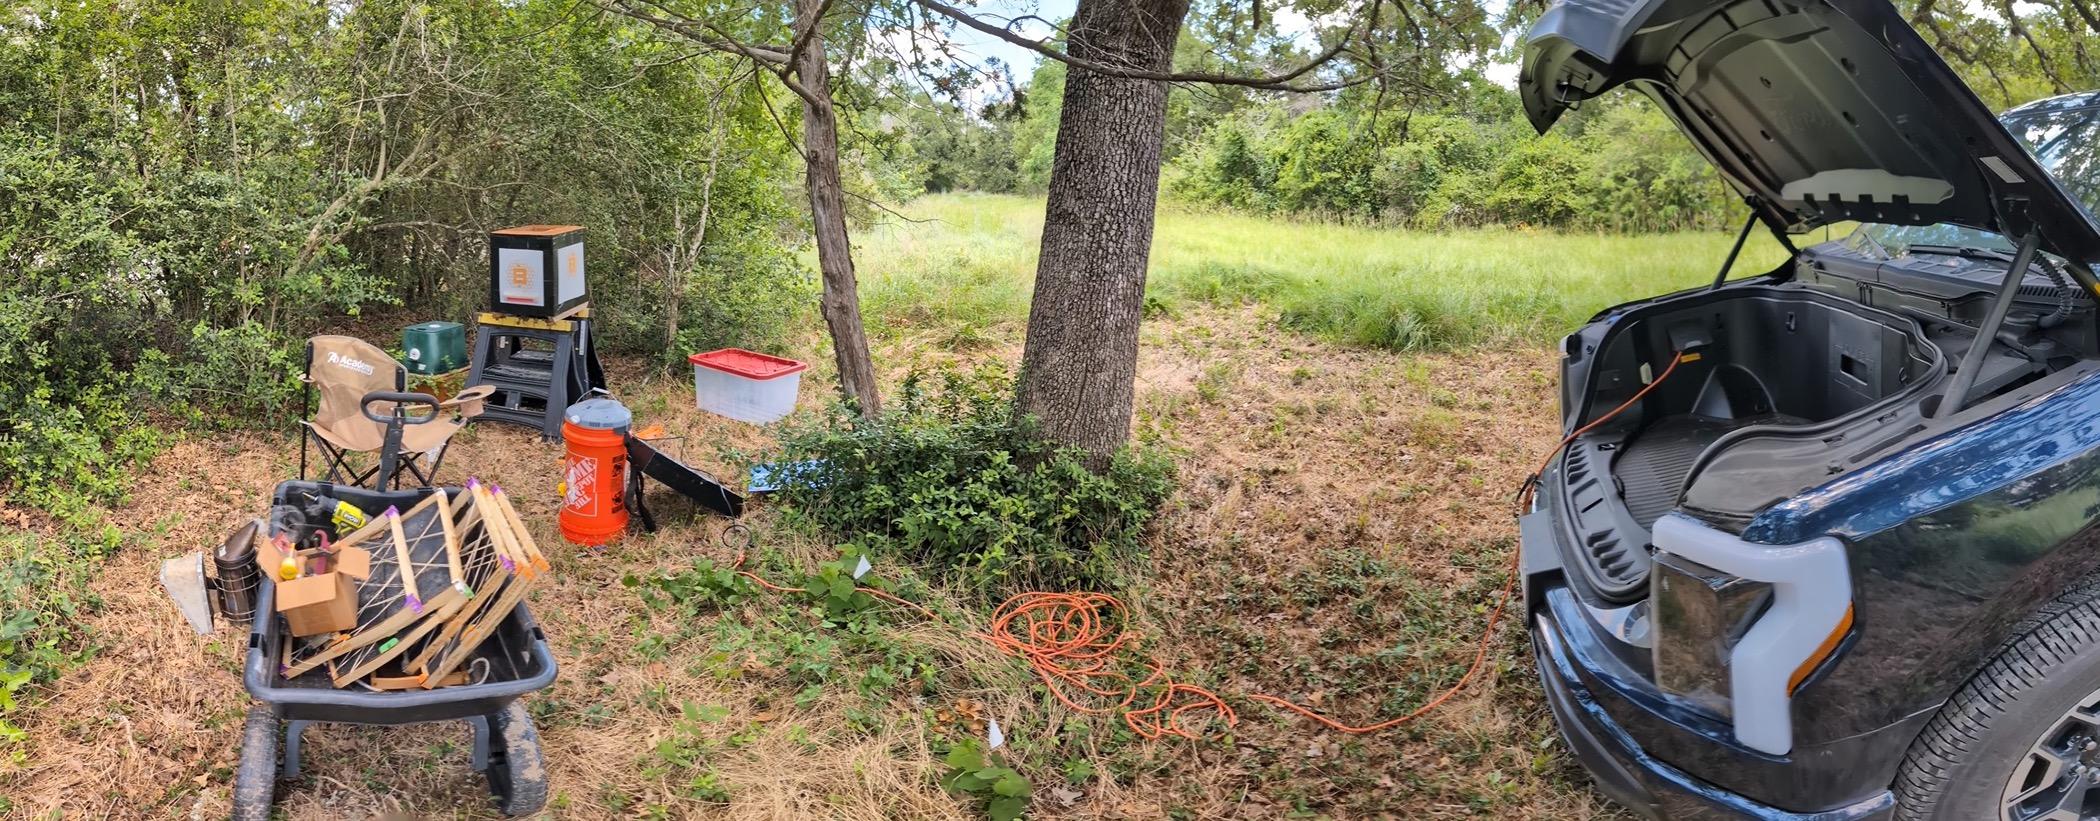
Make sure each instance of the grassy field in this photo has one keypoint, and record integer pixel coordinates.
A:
(1350, 410)
(969, 266)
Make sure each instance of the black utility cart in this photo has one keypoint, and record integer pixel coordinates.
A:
(506, 747)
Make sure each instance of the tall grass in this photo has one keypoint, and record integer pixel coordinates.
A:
(971, 264)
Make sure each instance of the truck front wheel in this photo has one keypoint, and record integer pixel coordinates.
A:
(2021, 740)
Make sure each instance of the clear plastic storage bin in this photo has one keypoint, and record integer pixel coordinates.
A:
(745, 385)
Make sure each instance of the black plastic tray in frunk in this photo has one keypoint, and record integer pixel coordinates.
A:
(517, 655)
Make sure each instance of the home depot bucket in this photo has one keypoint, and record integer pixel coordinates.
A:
(594, 483)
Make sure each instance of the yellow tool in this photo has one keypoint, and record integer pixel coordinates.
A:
(347, 518)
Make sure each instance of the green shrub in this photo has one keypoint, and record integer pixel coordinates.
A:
(44, 583)
(1323, 166)
(248, 373)
(1534, 184)
(65, 450)
(1620, 166)
(951, 479)
(1642, 178)
(1226, 168)
(744, 291)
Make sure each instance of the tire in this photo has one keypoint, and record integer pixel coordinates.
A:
(2038, 692)
(255, 782)
(517, 772)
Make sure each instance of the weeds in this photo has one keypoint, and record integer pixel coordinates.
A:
(43, 580)
(705, 583)
(975, 771)
(953, 482)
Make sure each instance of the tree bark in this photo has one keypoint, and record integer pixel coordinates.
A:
(1079, 365)
(827, 209)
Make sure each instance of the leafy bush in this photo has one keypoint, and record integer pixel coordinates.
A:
(745, 295)
(1642, 178)
(1619, 165)
(1227, 168)
(247, 372)
(953, 479)
(44, 582)
(67, 431)
(1323, 166)
(64, 450)
(1531, 185)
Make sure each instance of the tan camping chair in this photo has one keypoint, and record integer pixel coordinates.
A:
(365, 408)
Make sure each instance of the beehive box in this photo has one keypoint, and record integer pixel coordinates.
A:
(536, 270)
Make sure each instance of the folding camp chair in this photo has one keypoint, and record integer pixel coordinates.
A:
(365, 408)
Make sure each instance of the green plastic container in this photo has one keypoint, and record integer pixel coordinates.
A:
(434, 347)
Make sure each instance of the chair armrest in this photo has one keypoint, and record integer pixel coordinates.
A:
(477, 393)
(469, 403)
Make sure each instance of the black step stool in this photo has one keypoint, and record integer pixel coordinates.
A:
(539, 367)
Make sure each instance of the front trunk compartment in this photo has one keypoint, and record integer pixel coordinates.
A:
(1760, 360)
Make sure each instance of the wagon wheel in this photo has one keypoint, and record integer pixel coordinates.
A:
(255, 782)
(517, 773)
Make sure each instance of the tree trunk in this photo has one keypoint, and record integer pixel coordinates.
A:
(1079, 365)
(827, 209)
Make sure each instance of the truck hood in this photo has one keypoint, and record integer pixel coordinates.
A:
(1816, 111)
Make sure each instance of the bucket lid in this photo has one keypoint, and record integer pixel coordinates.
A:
(600, 414)
(747, 364)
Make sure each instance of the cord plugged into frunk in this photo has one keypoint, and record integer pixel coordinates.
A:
(1691, 338)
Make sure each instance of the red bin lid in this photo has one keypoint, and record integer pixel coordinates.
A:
(747, 364)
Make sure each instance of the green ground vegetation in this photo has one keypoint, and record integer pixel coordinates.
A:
(951, 480)
(1390, 288)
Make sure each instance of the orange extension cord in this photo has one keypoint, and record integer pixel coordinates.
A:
(1075, 642)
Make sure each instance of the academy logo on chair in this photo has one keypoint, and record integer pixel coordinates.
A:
(350, 362)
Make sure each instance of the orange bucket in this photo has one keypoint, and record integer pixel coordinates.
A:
(594, 484)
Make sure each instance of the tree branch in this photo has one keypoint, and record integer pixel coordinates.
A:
(879, 204)
(777, 60)
(699, 31)
(2041, 56)
(1276, 82)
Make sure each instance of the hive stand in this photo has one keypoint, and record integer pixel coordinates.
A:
(535, 384)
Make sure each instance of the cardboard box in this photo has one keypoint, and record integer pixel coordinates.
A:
(319, 602)
(323, 603)
(354, 562)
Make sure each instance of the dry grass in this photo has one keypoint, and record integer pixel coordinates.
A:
(1342, 523)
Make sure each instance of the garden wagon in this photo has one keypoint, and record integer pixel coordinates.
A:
(512, 662)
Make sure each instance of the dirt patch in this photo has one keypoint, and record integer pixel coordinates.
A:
(1341, 526)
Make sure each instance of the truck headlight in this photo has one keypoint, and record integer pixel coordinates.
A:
(1699, 615)
(1739, 625)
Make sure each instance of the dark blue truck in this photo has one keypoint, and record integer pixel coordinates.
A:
(1834, 555)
